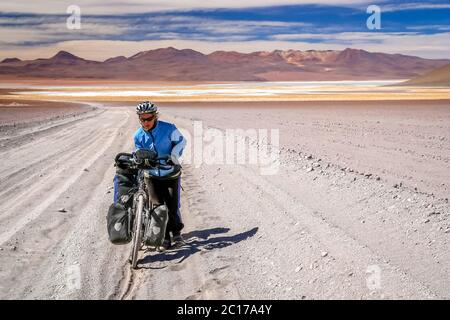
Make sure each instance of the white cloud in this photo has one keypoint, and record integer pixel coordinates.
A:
(343, 36)
(101, 7)
(167, 27)
(16, 36)
(435, 27)
(413, 6)
(56, 32)
(215, 26)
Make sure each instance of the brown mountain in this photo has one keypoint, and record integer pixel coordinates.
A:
(10, 60)
(439, 77)
(115, 59)
(171, 64)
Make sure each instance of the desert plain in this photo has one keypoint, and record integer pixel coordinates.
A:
(355, 208)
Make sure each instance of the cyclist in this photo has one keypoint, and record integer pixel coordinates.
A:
(165, 140)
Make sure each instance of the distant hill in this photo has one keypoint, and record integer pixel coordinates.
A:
(170, 64)
(438, 77)
(9, 60)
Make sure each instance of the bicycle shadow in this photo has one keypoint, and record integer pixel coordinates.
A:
(196, 241)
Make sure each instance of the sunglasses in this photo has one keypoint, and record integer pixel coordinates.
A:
(147, 119)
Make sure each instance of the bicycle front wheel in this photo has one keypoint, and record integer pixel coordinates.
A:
(137, 232)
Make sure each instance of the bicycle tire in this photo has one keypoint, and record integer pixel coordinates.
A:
(137, 232)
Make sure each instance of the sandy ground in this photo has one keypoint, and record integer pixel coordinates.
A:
(359, 208)
(15, 114)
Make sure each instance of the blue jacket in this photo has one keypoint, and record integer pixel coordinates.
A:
(165, 139)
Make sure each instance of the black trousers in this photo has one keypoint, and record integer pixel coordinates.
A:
(168, 192)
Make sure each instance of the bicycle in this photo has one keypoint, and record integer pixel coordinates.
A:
(147, 219)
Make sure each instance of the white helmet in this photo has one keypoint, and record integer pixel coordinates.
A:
(146, 107)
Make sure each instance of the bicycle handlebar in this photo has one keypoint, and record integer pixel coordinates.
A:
(150, 163)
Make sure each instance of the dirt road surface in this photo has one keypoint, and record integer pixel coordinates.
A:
(358, 208)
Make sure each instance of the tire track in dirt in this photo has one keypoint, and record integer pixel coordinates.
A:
(20, 137)
(70, 239)
(31, 175)
(69, 160)
(21, 173)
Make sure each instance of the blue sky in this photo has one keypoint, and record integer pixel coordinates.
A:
(123, 28)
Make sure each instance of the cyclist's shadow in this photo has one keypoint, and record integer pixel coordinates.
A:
(196, 241)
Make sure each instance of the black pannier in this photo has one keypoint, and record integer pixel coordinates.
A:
(118, 224)
(125, 178)
(118, 218)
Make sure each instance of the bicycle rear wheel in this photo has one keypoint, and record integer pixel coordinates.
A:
(137, 230)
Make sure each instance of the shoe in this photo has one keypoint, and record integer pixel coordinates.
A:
(178, 241)
(164, 246)
(151, 248)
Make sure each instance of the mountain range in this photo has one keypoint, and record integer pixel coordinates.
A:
(170, 64)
